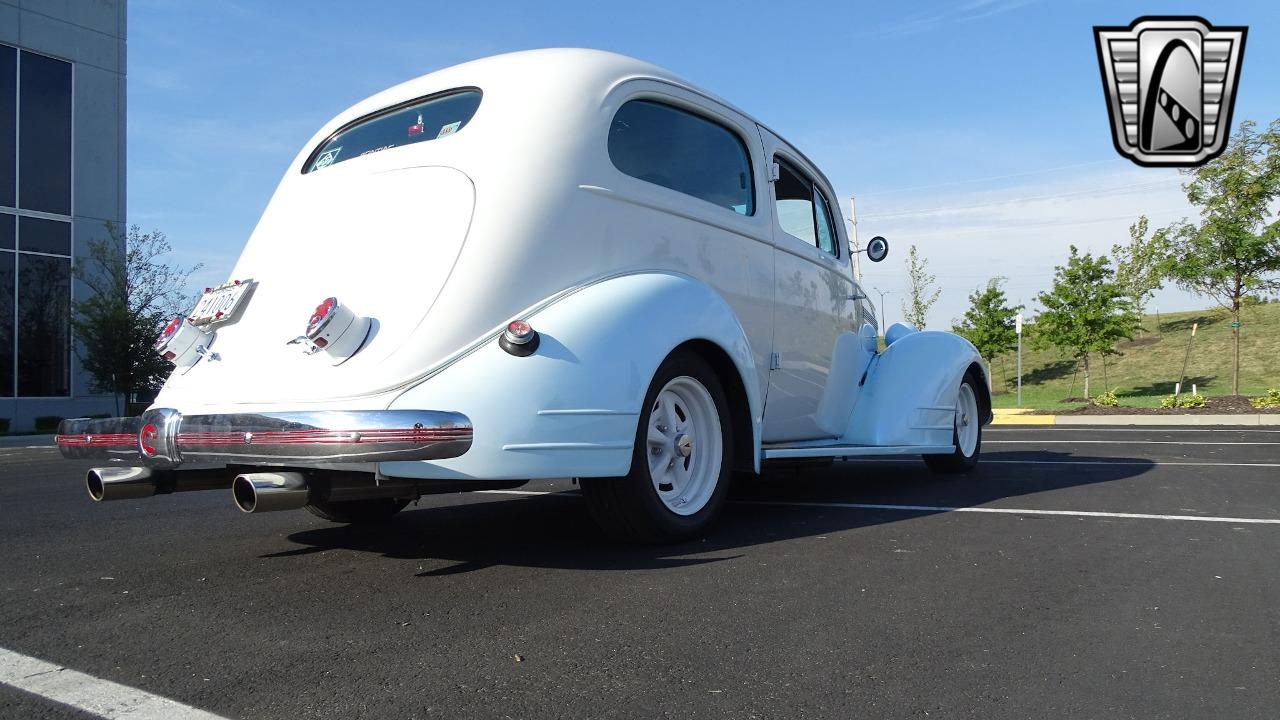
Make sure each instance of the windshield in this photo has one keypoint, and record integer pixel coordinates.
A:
(416, 122)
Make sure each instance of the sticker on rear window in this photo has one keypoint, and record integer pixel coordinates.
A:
(449, 129)
(327, 157)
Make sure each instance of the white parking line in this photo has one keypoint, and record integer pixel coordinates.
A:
(1121, 442)
(87, 693)
(1015, 511)
(1030, 461)
(1140, 463)
(943, 509)
(1108, 429)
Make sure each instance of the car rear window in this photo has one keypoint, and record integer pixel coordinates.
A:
(414, 122)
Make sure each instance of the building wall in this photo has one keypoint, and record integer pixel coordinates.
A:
(88, 36)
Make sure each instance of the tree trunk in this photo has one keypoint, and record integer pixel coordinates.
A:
(1235, 341)
(1086, 376)
(1105, 382)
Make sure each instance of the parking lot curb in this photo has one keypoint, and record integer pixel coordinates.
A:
(1195, 420)
(1021, 419)
(25, 440)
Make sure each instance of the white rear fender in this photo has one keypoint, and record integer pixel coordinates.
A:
(570, 409)
(909, 394)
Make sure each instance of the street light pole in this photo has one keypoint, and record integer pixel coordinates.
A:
(882, 294)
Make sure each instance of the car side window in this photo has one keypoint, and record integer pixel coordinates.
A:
(803, 212)
(688, 153)
(826, 233)
(793, 195)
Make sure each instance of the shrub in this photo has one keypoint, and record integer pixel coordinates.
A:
(1106, 399)
(47, 423)
(1183, 401)
(1270, 400)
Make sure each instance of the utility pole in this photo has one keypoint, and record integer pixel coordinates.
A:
(882, 294)
(856, 250)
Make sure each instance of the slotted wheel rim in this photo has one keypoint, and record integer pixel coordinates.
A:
(684, 445)
(967, 420)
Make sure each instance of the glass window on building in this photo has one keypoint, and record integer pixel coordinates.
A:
(8, 126)
(35, 224)
(44, 134)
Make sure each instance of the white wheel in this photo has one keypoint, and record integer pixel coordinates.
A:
(966, 431)
(680, 465)
(684, 443)
(967, 421)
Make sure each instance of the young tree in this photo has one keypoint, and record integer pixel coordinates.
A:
(989, 321)
(134, 294)
(1234, 252)
(1086, 311)
(921, 291)
(1140, 264)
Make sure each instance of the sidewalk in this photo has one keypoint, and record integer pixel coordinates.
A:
(25, 440)
(1022, 416)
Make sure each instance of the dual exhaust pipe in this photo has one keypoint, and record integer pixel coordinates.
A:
(252, 492)
(255, 492)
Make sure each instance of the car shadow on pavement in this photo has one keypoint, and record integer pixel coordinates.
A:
(555, 530)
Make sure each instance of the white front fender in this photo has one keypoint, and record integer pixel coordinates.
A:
(909, 393)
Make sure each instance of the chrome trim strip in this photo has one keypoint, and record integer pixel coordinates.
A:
(165, 438)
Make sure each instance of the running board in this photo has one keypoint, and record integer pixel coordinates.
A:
(854, 451)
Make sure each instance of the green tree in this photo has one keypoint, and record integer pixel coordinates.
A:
(989, 321)
(1234, 251)
(1140, 263)
(134, 294)
(1086, 311)
(921, 291)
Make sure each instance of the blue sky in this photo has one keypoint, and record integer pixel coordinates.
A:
(976, 130)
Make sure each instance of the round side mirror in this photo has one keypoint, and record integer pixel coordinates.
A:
(877, 249)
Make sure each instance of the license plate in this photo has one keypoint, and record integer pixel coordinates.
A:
(220, 304)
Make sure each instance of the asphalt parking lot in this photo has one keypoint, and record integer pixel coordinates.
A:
(1077, 573)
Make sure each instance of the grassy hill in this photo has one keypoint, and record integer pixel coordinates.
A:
(1149, 364)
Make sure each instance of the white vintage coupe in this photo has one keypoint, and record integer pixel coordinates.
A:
(557, 263)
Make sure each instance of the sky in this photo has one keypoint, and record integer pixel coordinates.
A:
(975, 130)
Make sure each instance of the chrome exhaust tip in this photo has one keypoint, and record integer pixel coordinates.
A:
(269, 491)
(119, 483)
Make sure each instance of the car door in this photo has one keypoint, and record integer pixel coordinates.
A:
(814, 298)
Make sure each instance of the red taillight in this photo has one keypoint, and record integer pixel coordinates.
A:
(167, 334)
(519, 331)
(322, 313)
(519, 338)
(147, 439)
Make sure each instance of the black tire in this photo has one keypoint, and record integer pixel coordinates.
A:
(629, 508)
(357, 511)
(958, 462)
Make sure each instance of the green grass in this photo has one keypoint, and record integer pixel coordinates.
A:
(1148, 365)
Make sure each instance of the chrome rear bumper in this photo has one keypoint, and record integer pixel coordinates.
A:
(165, 438)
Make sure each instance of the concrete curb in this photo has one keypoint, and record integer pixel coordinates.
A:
(25, 440)
(1246, 419)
